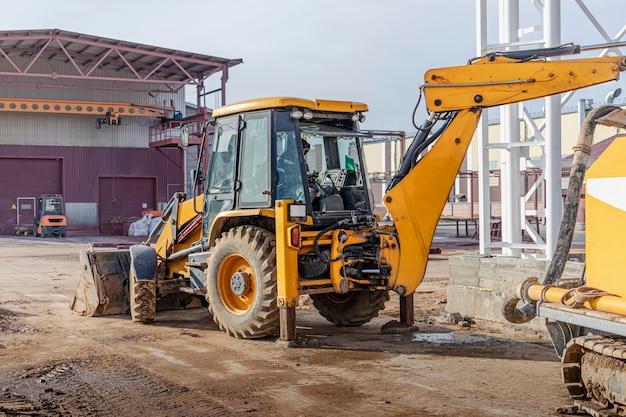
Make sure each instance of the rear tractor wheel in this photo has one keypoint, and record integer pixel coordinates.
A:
(241, 283)
(352, 308)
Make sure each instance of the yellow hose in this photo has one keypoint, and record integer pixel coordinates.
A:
(605, 303)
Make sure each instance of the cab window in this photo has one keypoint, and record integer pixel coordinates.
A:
(222, 166)
(255, 166)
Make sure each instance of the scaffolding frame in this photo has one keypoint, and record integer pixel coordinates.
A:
(514, 152)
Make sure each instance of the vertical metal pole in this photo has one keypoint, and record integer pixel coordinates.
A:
(582, 111)
(183, 156)
(199, 88)
(224, 79)
(383, 184)
(509, 114)
(484, 201)
(554, 203)
(469, 181)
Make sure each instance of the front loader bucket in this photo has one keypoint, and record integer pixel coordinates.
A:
(103, 286)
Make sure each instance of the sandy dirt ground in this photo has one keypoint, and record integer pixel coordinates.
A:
(56, 363)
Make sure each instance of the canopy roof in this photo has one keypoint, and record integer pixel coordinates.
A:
(58, 58)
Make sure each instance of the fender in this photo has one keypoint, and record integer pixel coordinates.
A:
(143, 263)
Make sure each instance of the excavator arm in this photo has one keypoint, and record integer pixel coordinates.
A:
(456, 96)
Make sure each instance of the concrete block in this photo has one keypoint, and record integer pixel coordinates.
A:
(465, 268)
(464, 300)
(478, 284)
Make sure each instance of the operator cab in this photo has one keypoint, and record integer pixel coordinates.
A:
(260, 155)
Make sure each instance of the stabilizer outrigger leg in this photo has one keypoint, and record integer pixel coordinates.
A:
(407, 312)
(287, 323)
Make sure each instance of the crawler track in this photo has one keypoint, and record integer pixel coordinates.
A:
(594, 371)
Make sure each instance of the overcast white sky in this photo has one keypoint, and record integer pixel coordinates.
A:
(372, 51)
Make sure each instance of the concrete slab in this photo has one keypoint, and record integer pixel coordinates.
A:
(478, 284)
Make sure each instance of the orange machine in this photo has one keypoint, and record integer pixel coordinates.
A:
(50, 218)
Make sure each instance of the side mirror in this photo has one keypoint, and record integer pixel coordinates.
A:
(184, 136)
(197, 177)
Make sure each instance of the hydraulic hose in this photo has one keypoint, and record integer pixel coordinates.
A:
(582, 150)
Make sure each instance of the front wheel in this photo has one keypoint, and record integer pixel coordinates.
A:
(241, 283)
(350, 309)
(142, 295)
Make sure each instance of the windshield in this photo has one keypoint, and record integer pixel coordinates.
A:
(332, 151)
(334, 169)
(53, 205)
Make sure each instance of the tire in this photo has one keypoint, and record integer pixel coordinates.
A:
(241, 283)
(350, 309)
(142, 295)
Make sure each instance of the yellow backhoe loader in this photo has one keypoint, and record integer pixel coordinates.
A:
(287, 208)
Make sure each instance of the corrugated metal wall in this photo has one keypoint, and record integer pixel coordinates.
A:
(82, 215)
(88, 151)
(68, 130)
(80, 130)
(84, 165)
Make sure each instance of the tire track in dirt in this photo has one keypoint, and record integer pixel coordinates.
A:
(100, 386)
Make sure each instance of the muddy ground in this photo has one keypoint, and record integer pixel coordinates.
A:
(55, 363)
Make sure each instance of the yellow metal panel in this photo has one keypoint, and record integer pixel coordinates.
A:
(501, 81)
(605, 221)
(415, 204)
(164, 246)
(223, 216)
(279, 102)
(611, 162)
(606, 260)
(352, 238)
(286, 258)
(390, 251)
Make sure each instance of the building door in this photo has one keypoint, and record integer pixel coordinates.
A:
(23, 177)
(121, 198)
(25, 214)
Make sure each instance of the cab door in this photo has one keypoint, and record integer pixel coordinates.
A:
(221, 181)
(255, 166)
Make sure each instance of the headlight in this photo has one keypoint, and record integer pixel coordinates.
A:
(297, 212)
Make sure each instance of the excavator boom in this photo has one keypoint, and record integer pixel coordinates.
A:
(496, 80)
(416, 198)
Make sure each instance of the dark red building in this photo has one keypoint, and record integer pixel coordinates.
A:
(97, 120)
